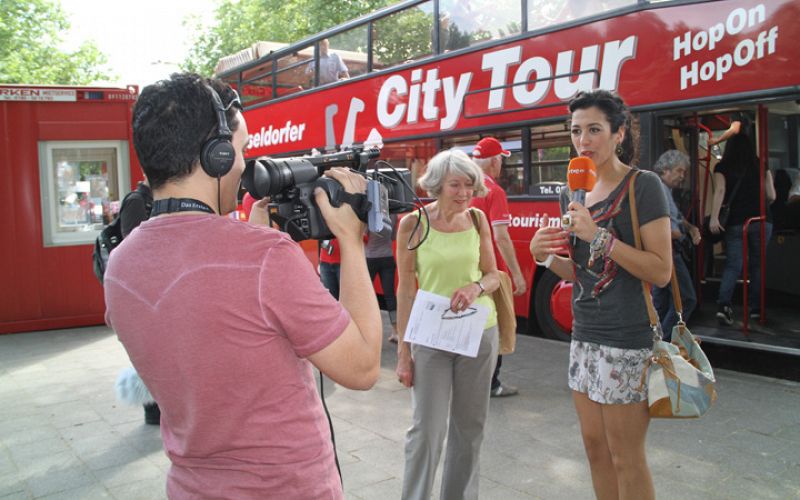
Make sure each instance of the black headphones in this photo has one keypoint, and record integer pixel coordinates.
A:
(218, 155)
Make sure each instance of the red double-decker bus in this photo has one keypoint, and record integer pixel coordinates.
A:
(426, 75)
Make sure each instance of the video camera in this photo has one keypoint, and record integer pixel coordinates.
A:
(290, 184)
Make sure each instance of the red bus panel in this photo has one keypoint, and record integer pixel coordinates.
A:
(674, 53)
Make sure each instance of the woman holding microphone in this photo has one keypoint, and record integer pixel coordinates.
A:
(611, 334)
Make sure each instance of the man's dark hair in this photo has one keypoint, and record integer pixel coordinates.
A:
(171, 121)
(616, 112)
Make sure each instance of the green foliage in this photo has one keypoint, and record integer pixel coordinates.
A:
(241, 23)
(403, 36)
(30, 34)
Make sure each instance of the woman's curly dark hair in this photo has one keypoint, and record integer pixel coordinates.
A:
(616, 112)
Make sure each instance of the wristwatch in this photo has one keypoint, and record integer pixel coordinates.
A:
(480, 285)
(546, 262)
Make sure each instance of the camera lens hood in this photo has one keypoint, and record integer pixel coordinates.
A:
(256, 179)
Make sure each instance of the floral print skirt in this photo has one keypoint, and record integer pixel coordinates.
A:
(608, 375)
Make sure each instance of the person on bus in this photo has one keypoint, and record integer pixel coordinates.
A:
(331, 66)
(223, 320)
(455, 260)
(611, 334)
(488, 154)
(740, 123)
(672, 166)
(737, 183)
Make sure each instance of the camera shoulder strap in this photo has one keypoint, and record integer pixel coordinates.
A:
(170, 205)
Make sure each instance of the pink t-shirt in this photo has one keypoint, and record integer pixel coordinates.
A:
(217, 317)
(495, 206)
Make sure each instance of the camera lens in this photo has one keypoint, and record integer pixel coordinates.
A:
(265, 177)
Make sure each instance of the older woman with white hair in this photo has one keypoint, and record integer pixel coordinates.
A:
(456, 260)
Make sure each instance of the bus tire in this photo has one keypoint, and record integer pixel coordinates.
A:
(547, 284)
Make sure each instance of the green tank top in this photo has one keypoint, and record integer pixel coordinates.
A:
(447, 261)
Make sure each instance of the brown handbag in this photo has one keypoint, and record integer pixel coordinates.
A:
(504, 305)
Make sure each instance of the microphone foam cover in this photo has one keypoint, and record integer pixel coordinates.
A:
(581, 174)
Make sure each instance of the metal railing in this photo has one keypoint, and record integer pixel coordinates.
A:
(745, 272)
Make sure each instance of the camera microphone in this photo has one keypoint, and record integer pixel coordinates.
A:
(378, 216)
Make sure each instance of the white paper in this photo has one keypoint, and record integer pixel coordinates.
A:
(433, 324)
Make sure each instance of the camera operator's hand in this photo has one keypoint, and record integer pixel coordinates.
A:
(342, 221)
(258, 213)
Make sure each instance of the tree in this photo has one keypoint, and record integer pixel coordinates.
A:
(240, 23)
(30, 34)
(403, 36)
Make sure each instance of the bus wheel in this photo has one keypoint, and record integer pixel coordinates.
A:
(552, 305)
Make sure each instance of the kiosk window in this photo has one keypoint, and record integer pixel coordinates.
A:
(82, 184)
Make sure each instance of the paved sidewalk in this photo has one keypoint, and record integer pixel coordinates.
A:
(63, 435)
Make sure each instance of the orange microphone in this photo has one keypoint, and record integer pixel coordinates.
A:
(581, 177)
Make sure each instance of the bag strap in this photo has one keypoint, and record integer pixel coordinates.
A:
(676, 296)
(475, 221)
(655, 325)
(736, 188)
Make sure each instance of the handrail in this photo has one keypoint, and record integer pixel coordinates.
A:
(707, 159)
(700, 214)
(745, 271)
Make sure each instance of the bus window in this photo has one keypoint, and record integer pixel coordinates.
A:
(403, 36)
(295, 72)
(543, 13)
(512, 177)
(352, 48)
(256, 90)
(551, 150)
(413, 155)
(512, 174)
(549, 164)
(466, 22)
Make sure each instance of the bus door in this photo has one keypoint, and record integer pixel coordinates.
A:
(774, 130)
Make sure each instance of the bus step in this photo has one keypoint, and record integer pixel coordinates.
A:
(715, 279)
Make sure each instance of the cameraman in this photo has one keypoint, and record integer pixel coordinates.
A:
(223, 320)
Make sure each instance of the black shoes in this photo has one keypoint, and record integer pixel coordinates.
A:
(152, 414)
(725, 315)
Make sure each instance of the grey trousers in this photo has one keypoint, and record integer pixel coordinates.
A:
(447, 384)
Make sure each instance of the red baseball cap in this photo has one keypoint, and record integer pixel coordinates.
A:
(488, 147)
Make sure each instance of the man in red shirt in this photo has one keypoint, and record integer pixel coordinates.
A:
(488, 154)
(224, 320)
